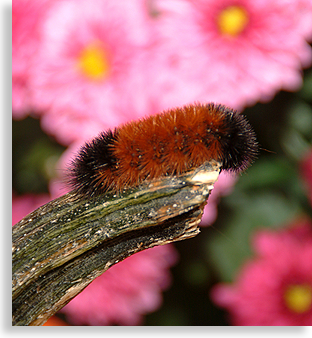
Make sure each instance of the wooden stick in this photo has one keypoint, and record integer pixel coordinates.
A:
(64, 245)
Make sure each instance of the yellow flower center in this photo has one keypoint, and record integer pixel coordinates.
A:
(298, 298)
(93, 61)
(232, 20)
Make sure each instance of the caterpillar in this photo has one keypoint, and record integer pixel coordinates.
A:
(170, 143)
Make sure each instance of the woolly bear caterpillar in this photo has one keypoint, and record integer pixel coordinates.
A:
(170, 143)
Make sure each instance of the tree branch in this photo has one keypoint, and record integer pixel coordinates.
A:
(64, 245)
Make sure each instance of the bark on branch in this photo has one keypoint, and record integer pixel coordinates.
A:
(64, 245)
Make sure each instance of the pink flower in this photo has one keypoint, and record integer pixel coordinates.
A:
(89, 73)
(304, 7)
(236, 51)
(306, 170)
(27, 18)
(274, 288)
(125, 292)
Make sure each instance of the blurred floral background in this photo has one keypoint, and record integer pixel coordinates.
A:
(82, 66)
